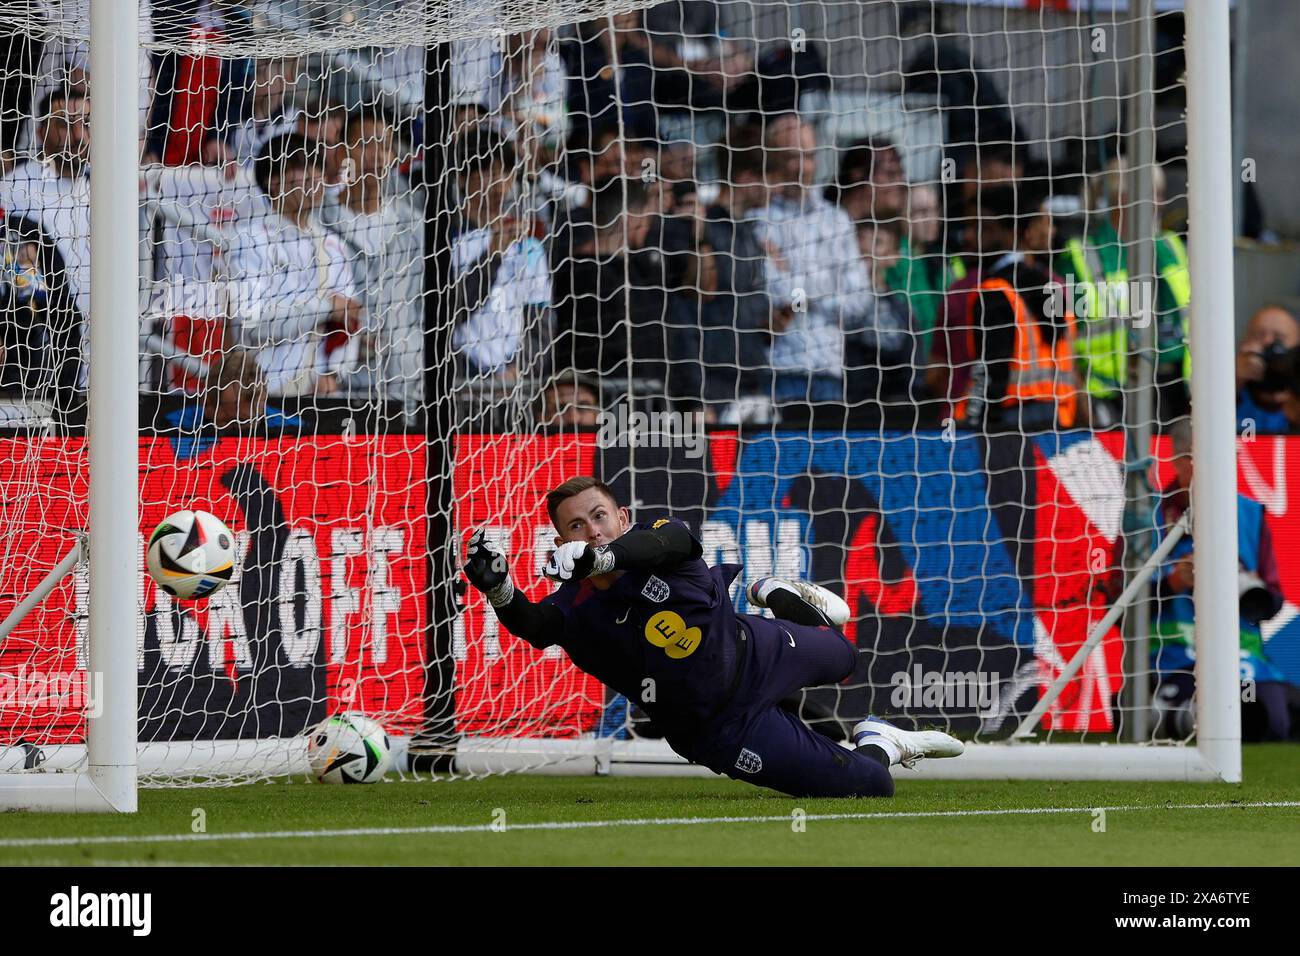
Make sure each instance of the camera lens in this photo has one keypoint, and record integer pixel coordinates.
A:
(1279, 368)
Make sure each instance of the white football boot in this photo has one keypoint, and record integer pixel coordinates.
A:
(829, 604)
(912, 745)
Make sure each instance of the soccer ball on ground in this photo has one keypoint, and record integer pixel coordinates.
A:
(191, 554)
(349, 748)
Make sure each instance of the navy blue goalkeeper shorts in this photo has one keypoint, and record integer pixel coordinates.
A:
(755, 740)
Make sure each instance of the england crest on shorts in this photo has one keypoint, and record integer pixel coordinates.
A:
(655, 590)
(749, 761)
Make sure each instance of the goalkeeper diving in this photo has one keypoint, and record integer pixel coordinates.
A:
(639, 610)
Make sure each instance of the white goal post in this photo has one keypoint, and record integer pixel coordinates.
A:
(102, 775)
(108, 780)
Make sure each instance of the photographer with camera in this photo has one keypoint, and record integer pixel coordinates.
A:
(1267, 381)
(1264, 713)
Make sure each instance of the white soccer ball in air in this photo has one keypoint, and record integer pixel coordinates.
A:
(191, 554)
(349, 748)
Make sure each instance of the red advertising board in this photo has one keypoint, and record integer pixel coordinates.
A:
(505, 686)
(327, 609)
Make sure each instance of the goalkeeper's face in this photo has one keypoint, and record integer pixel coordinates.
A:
(591, 516)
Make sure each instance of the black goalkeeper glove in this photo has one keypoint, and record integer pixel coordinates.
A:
(486, 569)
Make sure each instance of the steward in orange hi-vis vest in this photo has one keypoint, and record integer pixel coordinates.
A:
(1039, 371)
(1021, 331)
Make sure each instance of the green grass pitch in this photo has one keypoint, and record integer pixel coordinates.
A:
(586, 820)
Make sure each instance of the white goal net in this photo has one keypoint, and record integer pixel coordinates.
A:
(881, 295)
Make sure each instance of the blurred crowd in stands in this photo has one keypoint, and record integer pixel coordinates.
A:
(637, 215)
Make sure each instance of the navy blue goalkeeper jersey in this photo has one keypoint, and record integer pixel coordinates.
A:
(665, 639)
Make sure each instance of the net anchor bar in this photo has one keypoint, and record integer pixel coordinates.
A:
(39, 593)
(1139, 581)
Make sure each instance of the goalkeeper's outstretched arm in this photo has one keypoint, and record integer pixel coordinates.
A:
(486, 569)
(538, 624)
(645, 550)
(664, 546)
(648, 549)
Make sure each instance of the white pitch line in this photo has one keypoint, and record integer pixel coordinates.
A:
(600, 824)
(166, 863)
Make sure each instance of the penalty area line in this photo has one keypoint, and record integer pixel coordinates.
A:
(604, 824)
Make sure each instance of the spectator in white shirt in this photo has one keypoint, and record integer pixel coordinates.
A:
(816, 280)
(54, 190)
(520, 81)
(503, 282)
(382, 226)
(295, 302)
(267, 113)
(65, 57)
(323, 120)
